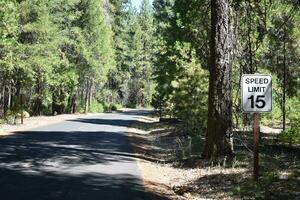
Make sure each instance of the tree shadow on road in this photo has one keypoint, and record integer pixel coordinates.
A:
(16, 184)
(40, 165)
(107, 122)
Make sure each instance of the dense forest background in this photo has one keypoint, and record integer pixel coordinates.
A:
(67, 56)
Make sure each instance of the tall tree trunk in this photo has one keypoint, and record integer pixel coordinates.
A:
(82, 97)
(38, 101)
(9, 95)
(219, 125)
(73, 103)
(284, 82)
(91, 93)
(86, 109)
(2, 98)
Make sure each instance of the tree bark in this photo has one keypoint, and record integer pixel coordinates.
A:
(86, 109)
(90, 93)
(38, 101)
(73, 103)
(284, 82)
(219, 125)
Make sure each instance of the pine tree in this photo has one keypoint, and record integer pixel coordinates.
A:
(39, 50)
(219, 125)
(146, 53)
(164, 67)
(87, 47)
(281, 56)
(9, 58)
(181, 80)
(117, 88)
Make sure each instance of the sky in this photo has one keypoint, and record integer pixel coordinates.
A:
(137, 3)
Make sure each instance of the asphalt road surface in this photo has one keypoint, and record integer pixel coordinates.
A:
(82, 159)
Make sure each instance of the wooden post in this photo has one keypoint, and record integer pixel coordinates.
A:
(256, 145)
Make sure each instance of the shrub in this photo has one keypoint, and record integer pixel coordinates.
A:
(113, 107)
(106, 108)
(10, 117)
(96, 107)
(291, 135)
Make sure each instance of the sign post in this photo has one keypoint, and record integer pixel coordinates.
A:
(255, 146)
(256, 98)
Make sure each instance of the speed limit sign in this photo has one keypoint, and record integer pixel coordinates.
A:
(256, 93)
(256, 98)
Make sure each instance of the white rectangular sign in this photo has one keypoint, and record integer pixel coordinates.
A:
(256, 93)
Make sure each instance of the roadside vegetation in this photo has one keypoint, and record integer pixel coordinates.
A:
(74, 56)
(184, 58)
(94, 56)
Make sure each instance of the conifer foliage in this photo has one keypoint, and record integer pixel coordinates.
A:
(70, 56)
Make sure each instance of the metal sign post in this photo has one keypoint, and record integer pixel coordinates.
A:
(256, 98)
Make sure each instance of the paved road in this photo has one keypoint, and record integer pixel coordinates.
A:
(83, 159)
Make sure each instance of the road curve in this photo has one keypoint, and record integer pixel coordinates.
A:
(88, 158)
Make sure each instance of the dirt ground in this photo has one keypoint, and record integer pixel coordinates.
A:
(172, 169)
